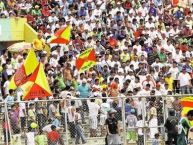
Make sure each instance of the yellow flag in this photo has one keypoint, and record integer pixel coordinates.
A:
(22, 73)
(31, 62)
(37, 85)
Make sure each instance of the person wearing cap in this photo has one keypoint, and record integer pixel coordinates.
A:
(113, 130)
(184, 81)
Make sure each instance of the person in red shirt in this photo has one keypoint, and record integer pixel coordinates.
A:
(46, 11)
(127, 5)
(54, 137)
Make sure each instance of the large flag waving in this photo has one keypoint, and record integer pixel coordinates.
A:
(22, 73)
(86, 60)
(37, 85)
(62, 36)
(187, 102)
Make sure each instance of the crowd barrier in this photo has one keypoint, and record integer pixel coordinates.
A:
(141, 133)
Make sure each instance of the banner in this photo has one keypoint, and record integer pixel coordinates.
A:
(86, 60)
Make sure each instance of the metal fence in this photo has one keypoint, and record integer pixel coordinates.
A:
(27, 119)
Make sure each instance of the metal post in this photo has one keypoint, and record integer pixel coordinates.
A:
(144, 122)
(7, 122)
(66, 126)
(123, 121)
(164, 115)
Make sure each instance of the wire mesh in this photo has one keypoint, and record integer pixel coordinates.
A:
(84, 120)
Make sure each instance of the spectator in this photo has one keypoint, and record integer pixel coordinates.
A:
(105, 107)
(71, 119)
(79, 130)
(14, 119)
(131, 122)
(93, 114)
(156, 139)
(140, 124)
(185, 126)
(171, 128)
(113, 130)
(184, 81)
(30, 136)
(10, 98)
(40, 139)
(54, 137)
(31, 114)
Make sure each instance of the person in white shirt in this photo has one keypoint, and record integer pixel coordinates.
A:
(143, 9)
(177, 55)
(30, 135)
(150, 24)
(105, 108)
(184, 81)
(93, 113)
(174, 70)
(53, 18)
(140, 124)
(6, 86)
(54, 59)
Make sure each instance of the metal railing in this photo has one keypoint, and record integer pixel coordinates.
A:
(153, 111)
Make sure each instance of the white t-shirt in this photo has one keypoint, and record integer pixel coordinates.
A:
(139, 124)
(6, 87)
(184, 79)
(21, 109)
(174, 72)
(93, 108)
(105, 107)
(48, 129)
(30, 138)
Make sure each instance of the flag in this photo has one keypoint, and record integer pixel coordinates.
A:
(22, 73)
(86, 60)
(37, 85)
(187, 102)
(62, 36)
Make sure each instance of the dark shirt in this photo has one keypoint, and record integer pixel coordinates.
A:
(112, 125)
(152, 57)
(4, 77)
(171, 124)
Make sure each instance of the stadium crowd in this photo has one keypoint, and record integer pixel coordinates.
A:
(142, 47)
